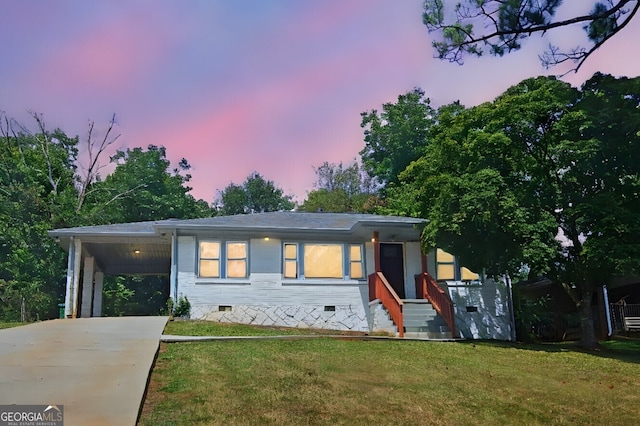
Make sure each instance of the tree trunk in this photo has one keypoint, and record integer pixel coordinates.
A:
(588, 335)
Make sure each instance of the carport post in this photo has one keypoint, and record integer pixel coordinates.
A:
(87, 288)
(73, 278)
(97, 294)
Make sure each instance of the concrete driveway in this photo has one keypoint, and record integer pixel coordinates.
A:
(97, 368)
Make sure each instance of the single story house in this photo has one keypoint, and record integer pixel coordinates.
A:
(340, 271)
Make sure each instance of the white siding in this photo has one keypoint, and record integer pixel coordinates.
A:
(492, 320)
(269, 289)
(266, 298)
(265, 256)
(187, 254)
(370, 258)
(268, 293)
(413, 266)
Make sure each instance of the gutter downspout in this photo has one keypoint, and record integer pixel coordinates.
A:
(174, 266)
(510, 304)
(605, 293)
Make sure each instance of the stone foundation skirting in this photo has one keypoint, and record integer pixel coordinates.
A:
(348, 318)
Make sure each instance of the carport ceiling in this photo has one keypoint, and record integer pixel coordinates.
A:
(132, 257)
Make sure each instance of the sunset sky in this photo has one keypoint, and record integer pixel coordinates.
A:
(236, 86)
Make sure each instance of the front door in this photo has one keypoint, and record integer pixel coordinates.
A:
(392, 266)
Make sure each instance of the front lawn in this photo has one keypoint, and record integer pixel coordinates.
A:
(327, 381)
(212, 328)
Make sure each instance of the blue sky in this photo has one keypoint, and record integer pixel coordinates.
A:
(239, 86)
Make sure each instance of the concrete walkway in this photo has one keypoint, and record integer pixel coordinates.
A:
(97, 368)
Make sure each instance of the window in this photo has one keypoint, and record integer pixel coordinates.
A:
(217, 260)
(445, 265)
(209, 265)
(447, 268)
(355, 262)
(290, 260)
(323, 261)
(467, 275)
(237, 260)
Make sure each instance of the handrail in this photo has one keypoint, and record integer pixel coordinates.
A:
(427, 288)
(390, 300)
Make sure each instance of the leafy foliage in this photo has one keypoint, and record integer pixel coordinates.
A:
(342, 188)
(255, 195)
(395, 136)
(182, 307)
(501, 26)
(498, 181)
(44, 186)
(37, 191)
(144, 187)
(135, 295)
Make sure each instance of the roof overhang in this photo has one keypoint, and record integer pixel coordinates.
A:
(137, 252)
(145, 247)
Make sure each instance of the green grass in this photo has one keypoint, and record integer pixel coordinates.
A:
(328, 381)
(10, 324)
(211, 328)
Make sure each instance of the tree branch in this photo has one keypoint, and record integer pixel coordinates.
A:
(580, 55)
(458, 38)
(44, 140)
(91, 172)
(122, 194)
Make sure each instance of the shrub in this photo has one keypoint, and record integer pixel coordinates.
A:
(182, 307)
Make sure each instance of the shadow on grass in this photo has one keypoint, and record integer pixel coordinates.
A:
(620, 348)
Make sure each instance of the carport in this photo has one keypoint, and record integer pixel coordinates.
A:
(121, 249)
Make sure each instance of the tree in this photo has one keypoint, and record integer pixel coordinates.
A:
(499, 180)
(255, 195)
(233, 200)
(95, 150)
(502, 25)
(341, 188)
(600, 181)
(144, 187)
(396, 136)
(37, 193)
(43, 186)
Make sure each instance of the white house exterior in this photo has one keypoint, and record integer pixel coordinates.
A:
(289, 269)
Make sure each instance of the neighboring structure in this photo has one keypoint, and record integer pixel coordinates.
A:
(321, 270)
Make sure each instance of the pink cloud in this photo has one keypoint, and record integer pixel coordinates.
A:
(110, 58)
(288, 124)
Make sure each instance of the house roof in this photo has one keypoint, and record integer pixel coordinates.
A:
(284, 221)
(117, 247)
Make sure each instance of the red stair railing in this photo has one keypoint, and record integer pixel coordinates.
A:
(380, 289)
(427, 288)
